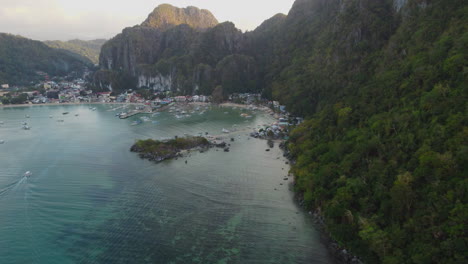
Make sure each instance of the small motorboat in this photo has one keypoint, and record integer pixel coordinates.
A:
(2, 141)
(28, 174)
(225, 131)
(26, 127)
(65, 113)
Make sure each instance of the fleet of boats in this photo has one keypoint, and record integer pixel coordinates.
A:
(177, 111)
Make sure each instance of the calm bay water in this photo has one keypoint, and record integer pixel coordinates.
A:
(90, 200)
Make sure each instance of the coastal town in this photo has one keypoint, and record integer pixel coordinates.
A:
(77, 90)
(145, 101)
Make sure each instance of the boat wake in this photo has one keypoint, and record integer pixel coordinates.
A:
(14, 187)
(21, 192)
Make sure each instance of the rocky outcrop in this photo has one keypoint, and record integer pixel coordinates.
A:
(167, 16)
(134, 46)
(158, 151)
(158, 83)
(180, 58)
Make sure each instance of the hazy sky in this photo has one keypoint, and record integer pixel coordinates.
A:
(90, 19)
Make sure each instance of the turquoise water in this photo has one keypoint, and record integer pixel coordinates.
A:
(90, 200)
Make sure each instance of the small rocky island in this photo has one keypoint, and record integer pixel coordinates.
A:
(158, 151)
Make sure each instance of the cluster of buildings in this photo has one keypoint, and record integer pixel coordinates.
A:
(50, 91)
(76, 92)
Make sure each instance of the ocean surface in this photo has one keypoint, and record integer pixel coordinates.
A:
(91, 200)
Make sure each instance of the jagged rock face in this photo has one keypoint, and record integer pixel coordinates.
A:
(167, 60)
(166, 16)
(215, 44)
(159, 82)
(137, 45)
(169, 45)
(168, 32)
(162, 53)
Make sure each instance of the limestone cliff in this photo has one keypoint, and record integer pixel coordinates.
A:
(167, 16)
(172, 50)
(176, 43)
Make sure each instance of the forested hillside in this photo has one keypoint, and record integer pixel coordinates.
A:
(88, 49)
(384, 153)
(21, 58)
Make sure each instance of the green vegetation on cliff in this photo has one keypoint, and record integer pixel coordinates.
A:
(21, 58)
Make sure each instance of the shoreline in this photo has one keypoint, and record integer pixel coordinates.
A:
(229, 104)
(118, 103)
(57, 104)
(340, 254)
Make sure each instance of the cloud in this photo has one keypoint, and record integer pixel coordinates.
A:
(89, 19)
(47, 20)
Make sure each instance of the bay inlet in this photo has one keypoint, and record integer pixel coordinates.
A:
(90, 200)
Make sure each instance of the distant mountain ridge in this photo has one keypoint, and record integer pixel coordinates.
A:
(89, 49)
(21, 58)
